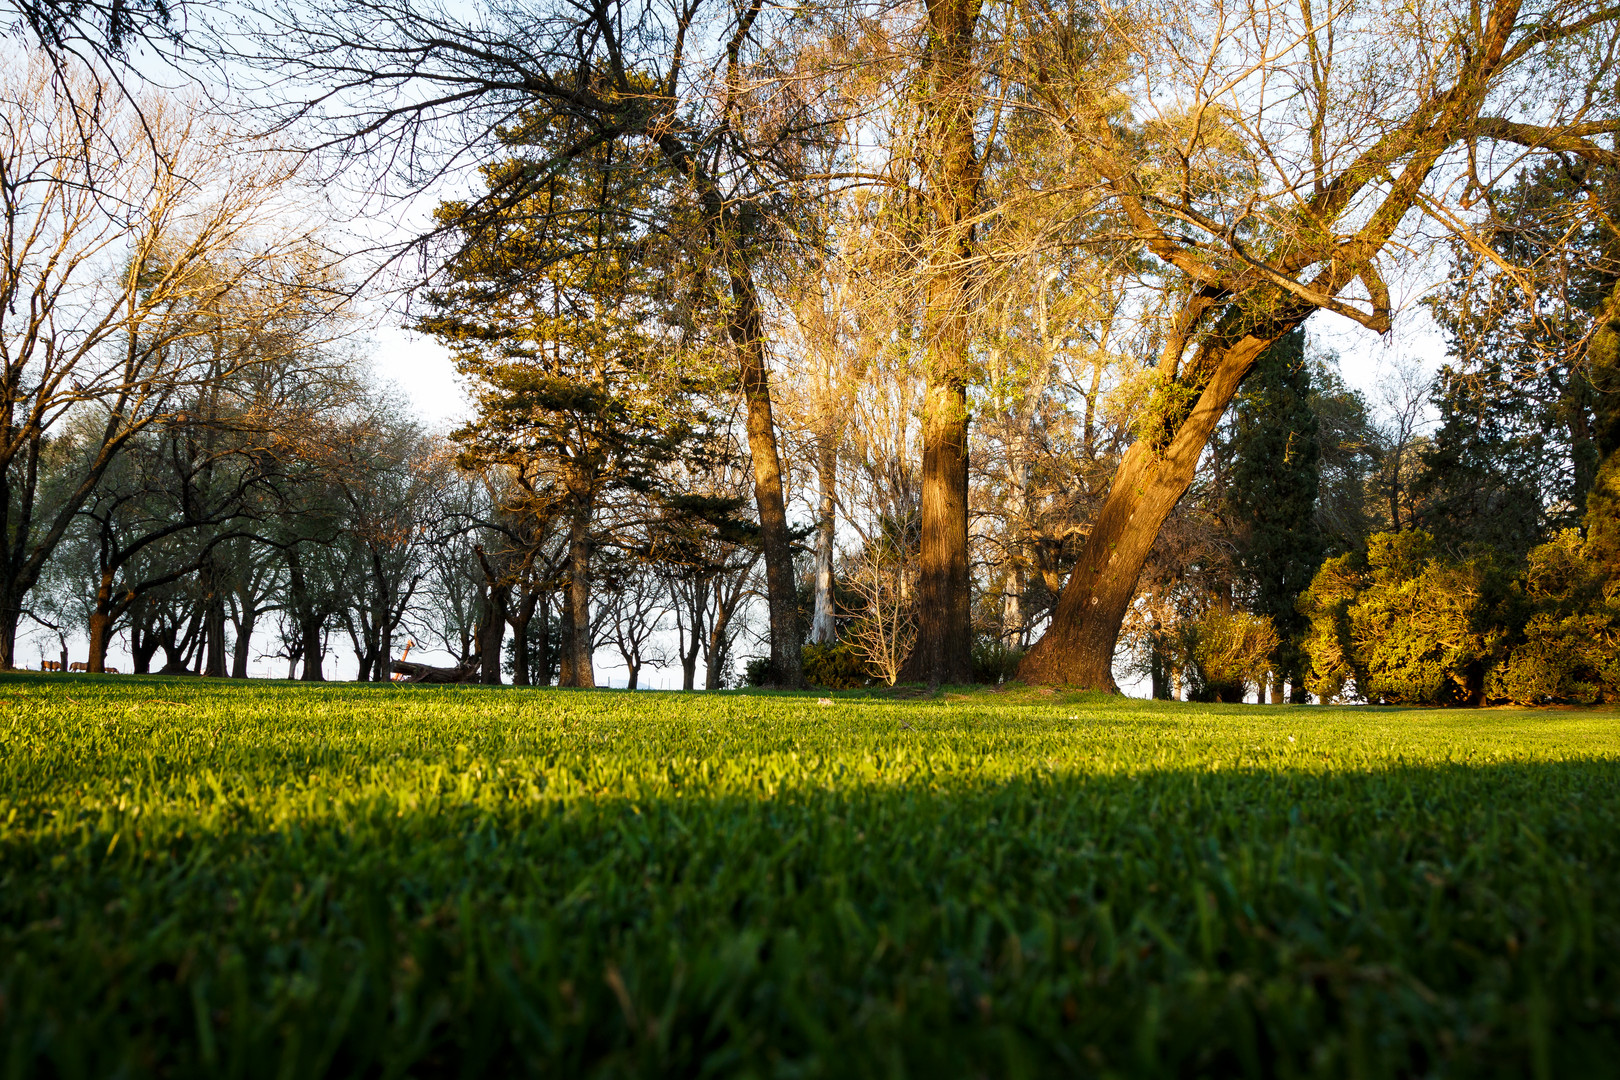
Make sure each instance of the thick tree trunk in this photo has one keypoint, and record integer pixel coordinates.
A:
(543, 611)
(579, 643)
(1078, 647)
(635, 673)
(824, 629)
(492, 634)
(1159, 669)
(243, 647)
(143, 645)
(520, 619)
(565, 639)
(100, 630)
(309, 629)
(943, 652)
(747, 333)
(10, 616)
(215, 667)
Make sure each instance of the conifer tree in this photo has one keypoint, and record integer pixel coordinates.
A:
(548, 308)
(1272, 495)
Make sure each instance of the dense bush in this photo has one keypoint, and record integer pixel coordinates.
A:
(1569, 648)
(994, 661)
(838, 666)
(1225, 652)
(1407, 624)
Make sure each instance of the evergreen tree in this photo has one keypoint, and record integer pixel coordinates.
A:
(1526, 404)
(1272, 493)
(551, 310)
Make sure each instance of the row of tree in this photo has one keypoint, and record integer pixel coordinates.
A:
(978, 287)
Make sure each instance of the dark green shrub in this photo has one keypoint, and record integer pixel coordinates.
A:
(994, 661)
(838, 666)
(757, 671)
(1570, 647)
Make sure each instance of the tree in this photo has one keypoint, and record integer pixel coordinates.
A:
(129, 236)
(1261, 208)
(718, 149)
(548, 311)
(1272, 491)
(1523, 401)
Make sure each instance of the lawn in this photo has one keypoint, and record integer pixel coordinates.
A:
(206, 879)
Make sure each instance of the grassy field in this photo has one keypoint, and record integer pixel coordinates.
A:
(200, 878)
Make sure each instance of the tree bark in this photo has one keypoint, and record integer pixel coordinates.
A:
(565, 639)
(215, 608)
(1078, 647)
(824, 629)
(782, 599)
(578, 643)
(943, 652)
(492, 633)
(243, 647)
(10, 616)
(520, 619)
(143, 641)
(309, 629)
(100, 631)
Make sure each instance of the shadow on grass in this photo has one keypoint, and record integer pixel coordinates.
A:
(1446, 920)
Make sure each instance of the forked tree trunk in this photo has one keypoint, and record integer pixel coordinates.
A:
(519, 619)
(1078, 647)
(492, 634)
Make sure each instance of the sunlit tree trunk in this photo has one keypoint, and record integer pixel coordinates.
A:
(1078, 647)
(943, 650)
(824, 630)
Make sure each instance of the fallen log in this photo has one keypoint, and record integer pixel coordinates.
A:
(427, 673)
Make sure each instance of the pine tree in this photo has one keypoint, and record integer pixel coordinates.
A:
(1272, 494)
(550, 308)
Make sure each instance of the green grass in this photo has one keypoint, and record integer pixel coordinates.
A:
(274, 880)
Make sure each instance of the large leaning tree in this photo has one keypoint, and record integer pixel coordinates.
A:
(1279, 159)
(689, 88)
